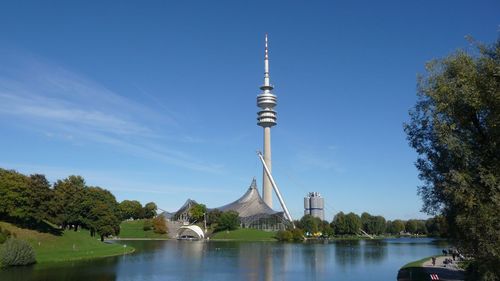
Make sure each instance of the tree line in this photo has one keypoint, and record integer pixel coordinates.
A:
(31, 201)
(351, 224)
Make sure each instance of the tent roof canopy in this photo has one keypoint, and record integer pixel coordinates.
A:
(249, 204)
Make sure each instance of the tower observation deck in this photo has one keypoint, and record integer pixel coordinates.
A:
(266, 118)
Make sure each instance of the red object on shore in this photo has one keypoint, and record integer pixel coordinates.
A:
(434, 277)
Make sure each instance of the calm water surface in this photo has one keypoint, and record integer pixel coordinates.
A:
(184, 260)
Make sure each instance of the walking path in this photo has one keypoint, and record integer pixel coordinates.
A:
(441, 264)
(173, 228)
(440, 271)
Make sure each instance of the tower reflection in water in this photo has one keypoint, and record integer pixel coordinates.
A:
(259, 261)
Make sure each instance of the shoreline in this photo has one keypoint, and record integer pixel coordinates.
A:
(137, 239)
(424, 270)
(78, 259)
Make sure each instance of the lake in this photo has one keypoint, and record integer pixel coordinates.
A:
(217, 260)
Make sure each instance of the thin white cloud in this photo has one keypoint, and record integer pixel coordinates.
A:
(59, 111)
(310, 159)
(56, 102)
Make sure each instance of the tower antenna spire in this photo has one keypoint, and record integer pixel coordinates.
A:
(266, 64)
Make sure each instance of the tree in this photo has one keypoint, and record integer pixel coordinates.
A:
(24, 199)
(150, 210)
(339, 224)
(213, 216)
(326, 229)
(353, 223)
(228, 221)
(196, 212)
(373, 224)
(105, 222)
(159, 225)
(437, 226)
(131, 209)
(365, 221)
(411, 226)
(310, 224)
(346, 224)
(39, 197)
(98, 202)
(421, 228)
(395, 227)
(66, 207)
(13, 192)
(455, 130)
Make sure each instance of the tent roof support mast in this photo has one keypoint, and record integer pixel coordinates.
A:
(276, 189)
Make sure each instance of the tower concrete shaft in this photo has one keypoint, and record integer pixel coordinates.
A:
(266, 118)
(267, 190)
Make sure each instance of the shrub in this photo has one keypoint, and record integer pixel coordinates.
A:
(298, 235)
(16, 252)
(228, 221)
(4, 235)
(148, 225)
(284, 235)
(159, 225)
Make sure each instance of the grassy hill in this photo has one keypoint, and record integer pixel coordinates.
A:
(69, 246)
(134, 229)
(245, 234)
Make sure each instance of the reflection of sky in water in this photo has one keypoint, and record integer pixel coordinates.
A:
(198, 260)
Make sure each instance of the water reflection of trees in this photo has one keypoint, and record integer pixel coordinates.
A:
(347, 252)
(374, 251)
(316, 259)
(77, 271)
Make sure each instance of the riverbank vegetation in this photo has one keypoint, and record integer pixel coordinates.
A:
(67, 246)
(455, 129)
(353, 226)
(68, 205)
(418, 263)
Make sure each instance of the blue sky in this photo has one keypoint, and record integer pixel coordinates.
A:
(156, 100)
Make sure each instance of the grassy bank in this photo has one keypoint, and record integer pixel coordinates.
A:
(69, 246)
(134, 229)
(417, 263)
(245, 234)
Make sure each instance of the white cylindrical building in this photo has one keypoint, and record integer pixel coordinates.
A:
(314, 205)
(266, 118)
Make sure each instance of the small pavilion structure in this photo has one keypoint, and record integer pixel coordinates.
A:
(190, 232)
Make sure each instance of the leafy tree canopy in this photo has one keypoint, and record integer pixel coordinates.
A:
(150, 210)
(455, 129)
(131, 209)
(196, 212)
(228, 221)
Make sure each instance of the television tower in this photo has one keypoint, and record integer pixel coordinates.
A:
(266, 101)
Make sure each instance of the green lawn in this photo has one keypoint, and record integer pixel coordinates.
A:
(134, 229)
(417, 263)
(245, 234)
(69, 246)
